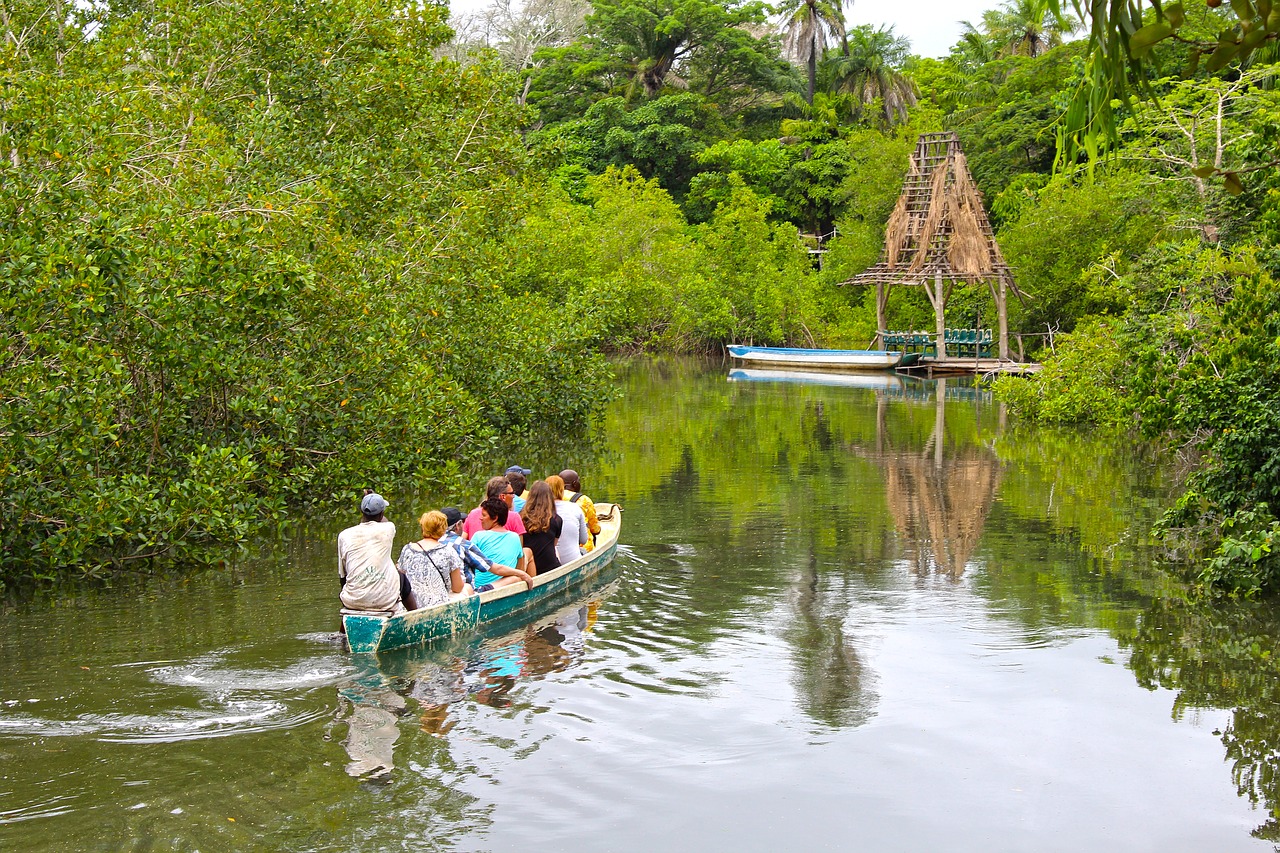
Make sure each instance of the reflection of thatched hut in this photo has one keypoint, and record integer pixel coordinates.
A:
(939, 234)
(940, 510)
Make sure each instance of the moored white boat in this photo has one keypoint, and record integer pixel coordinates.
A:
(831, 359)
(379, 633)
(862, 379)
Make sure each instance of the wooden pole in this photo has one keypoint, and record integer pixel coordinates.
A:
(939, 423)
(881, 298)
(939, 311)
(1002, 312)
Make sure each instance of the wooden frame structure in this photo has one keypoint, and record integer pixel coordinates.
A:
(938, 235)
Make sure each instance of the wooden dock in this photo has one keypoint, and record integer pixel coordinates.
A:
(930, 366)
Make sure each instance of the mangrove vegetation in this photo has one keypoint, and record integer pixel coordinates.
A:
(257, 254)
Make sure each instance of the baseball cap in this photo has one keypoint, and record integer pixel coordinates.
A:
(373, 504)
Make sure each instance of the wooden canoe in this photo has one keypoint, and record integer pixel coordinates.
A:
(832, 359)
(368, 633)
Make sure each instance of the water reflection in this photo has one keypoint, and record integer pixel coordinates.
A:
(876, 380)
(833, 684)
(425, 683)
(939, 492)
(940, 495)
(1221, 655)
(766, 596)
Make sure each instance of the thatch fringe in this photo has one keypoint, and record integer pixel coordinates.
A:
(896, 231)
(968, 251)
(933, 219)
(938, 227)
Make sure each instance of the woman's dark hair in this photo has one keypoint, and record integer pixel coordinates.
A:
(497, 509)
(517, 481)
(540, 508)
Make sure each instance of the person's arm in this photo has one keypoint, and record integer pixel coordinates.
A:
(589, 511)
(475, 557)
(456, 580)
(407, 597)
(508, 572)
(582, 532)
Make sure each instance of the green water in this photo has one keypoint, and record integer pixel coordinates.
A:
(841, 618)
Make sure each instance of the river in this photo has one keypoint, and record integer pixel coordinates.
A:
(868, 616)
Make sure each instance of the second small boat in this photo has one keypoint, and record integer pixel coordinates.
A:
(831, 359)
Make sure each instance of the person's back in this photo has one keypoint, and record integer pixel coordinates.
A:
(365, 569)
(542, 527)
(434, 570)
(573, 531)
(500, 546)
(573, 494)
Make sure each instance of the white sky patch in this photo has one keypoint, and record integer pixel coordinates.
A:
(933, 26)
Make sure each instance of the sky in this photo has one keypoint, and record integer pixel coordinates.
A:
(931, 25)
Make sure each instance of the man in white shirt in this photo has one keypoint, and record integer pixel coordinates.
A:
(365, 569)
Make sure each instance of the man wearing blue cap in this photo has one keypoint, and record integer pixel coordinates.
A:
(365, 569)
(519, 479)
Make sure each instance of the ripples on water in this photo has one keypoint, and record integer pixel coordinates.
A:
(840, 619)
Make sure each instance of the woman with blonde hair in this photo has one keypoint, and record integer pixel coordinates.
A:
(573, 533)
(434, 570)
(542, 526)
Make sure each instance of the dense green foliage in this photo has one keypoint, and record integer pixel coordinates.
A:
(251, 263)
(255, 255)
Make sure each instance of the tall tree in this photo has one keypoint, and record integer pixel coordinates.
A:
(974, 49)
(1027, 27)
(517, 31)
(871, 71)
(654, 38)
(809, 26)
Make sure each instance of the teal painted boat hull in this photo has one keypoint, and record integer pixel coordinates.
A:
(370, 634)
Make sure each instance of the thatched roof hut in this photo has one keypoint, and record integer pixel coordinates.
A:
(939, 234)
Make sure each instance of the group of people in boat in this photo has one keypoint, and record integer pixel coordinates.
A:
(518, 531)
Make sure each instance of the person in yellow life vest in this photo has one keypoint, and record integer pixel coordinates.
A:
(573, 494)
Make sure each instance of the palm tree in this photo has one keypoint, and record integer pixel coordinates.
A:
(871, 71)
(1027, 27)
(808, 27)
(974, 49)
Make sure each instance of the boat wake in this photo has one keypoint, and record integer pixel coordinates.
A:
(228, 700)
